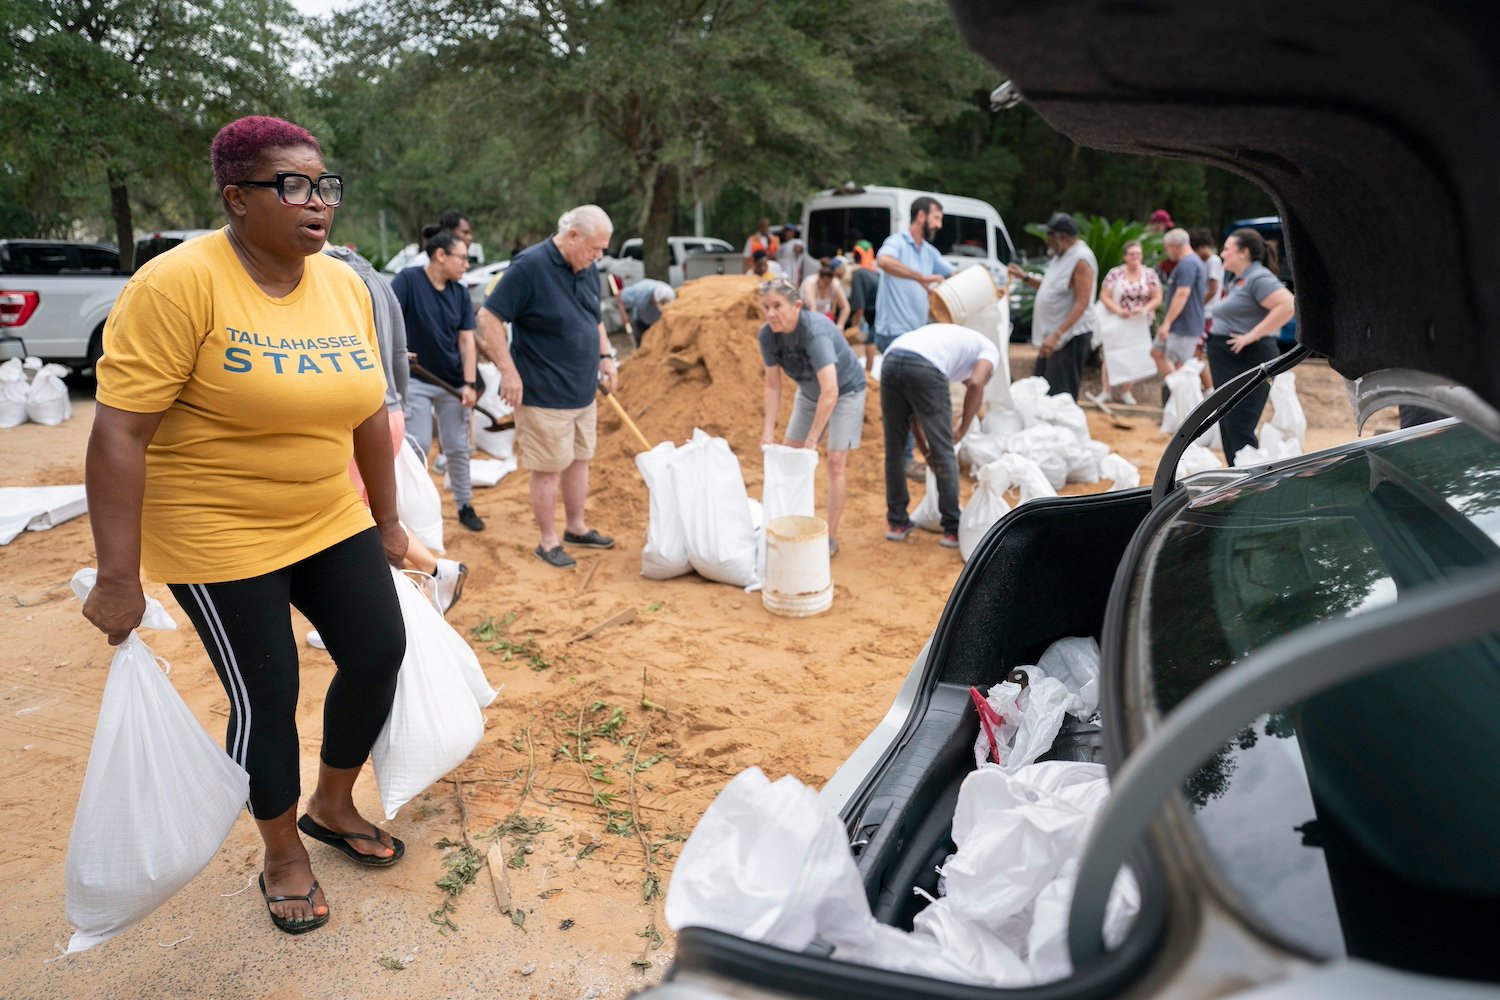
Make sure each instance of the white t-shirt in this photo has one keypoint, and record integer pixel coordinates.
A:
(1215, 273)
(952, 349)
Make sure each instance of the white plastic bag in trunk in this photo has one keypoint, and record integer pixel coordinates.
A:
(435, 722)
(158, 799)
(418, 502)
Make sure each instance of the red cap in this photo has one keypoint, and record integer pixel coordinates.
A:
(1161, 215)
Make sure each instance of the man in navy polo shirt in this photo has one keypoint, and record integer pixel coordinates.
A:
(551, 369)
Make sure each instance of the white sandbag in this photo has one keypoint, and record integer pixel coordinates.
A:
(13, 391)
(1001, 422)
(1026, 476)
(1196, 458)
(1075, 662)
(665, 552)
(435, 722)
(500, 444)
(448, 638)
(1083, 461)
(1062, 410)
(978, 449)
(714, 508)
(1186, 387)
(1286, 410)
(47, 401)
(1027, 395)
(986, 506)
(1118, 470)
(787, 488)
(927, 516)
(158, 798)
(1047, 446)
(1064, 682)
(418, 502)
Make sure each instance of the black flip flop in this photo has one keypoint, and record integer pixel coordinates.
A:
(340, 842)
(294, 925)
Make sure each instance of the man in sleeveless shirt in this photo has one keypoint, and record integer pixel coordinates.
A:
(1062, 322)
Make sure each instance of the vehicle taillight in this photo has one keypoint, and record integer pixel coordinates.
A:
(16, 307)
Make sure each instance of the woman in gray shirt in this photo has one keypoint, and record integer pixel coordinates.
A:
(1255, 306)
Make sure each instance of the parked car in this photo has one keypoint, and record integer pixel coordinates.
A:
(629, 263)
(412, 255)
(1300, 662)
(972, 229)
(54, 296)
(154, 244)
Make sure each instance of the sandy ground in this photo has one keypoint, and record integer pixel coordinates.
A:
(625, 736)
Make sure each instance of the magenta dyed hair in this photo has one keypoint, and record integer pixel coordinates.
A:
(236, 149)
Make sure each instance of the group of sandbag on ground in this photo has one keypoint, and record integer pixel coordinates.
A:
(1283, 436)
(771, 861)
(31, 390)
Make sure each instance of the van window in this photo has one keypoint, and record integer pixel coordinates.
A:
(828, 229)
(1002, 247)
(963, 236)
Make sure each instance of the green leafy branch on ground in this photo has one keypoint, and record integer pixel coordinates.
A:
(494, 635)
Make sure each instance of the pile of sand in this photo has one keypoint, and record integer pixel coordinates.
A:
(700, 366)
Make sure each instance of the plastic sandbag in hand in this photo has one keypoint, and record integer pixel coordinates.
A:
(927, 516)
(435, 720)
(986, 506)
(13, 391)
(665, 552)
(417, 500)
(158, 798)
(47, 401)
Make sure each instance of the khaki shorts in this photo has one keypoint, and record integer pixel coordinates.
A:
(551, 440)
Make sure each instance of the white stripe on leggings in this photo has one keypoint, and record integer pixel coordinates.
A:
(237, 692)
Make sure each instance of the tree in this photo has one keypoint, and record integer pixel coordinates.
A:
(125, 91)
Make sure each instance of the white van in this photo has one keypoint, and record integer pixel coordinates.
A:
(972, 230)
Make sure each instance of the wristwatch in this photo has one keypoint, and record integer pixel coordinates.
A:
(472, 385)
(613, 355)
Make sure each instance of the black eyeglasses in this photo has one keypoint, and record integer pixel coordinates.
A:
(297, 189)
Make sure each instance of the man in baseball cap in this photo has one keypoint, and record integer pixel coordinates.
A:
(1062, 319)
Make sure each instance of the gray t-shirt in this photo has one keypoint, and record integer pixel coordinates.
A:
(1189, 273)
(1240, 309)
(812, 344)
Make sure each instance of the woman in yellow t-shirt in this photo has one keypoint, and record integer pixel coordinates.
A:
(240, 372)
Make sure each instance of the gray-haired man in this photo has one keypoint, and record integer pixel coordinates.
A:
(551, 369)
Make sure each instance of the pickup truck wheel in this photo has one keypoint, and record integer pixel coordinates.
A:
(96, 351)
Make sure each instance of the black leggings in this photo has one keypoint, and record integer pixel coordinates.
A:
(1237, 429)
(346, 591)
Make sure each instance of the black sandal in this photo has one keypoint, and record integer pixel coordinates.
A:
(340, 842)
(294, 925)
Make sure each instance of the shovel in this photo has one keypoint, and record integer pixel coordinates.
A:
(496, 423)
(620, 410)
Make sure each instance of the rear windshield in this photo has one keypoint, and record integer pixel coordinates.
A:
(53, 258)
(1366, 819)
(833, 231)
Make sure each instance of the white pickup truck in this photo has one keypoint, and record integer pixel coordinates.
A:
(629, 266)
(55, 294)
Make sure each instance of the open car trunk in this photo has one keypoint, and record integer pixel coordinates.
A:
(1044, 573)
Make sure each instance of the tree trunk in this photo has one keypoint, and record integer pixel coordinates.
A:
(119, 208)
(659, 215)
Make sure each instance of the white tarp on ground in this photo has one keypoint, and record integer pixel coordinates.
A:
(37, 508)
(770, 862)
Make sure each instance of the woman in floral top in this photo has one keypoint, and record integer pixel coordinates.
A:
(1131, 289)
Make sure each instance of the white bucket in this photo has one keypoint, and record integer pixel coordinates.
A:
(798, 582)
(962, 295)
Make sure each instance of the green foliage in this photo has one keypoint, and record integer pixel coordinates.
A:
(1107, 239)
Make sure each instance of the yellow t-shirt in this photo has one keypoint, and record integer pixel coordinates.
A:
(248, 471)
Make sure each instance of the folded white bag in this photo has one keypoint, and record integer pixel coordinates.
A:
(435, 722)
(158, 799)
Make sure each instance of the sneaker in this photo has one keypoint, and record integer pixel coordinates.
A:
(590, 539)
(315, 640)
(833, 547)
(440, 464)
(899, 532)
(555, 557)
(469, 519)
(1099, 399)
(450, 578)
(1128, 398)
(917, 472)
(949, 540)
